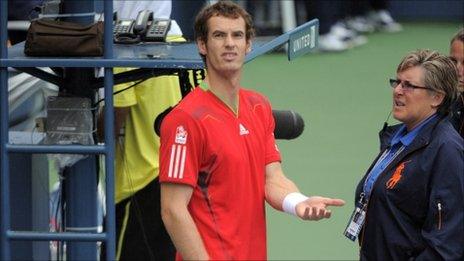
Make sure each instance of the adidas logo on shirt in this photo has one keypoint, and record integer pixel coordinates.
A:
(243, 130)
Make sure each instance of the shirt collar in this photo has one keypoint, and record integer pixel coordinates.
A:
(407, 137)
(204, 86)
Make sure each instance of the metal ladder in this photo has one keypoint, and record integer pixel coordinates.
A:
(8, 235)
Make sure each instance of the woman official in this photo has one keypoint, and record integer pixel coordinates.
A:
(410, 203)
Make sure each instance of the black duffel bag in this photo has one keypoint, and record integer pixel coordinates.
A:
(56, 38)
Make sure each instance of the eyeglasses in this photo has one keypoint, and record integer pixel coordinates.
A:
(407, 86)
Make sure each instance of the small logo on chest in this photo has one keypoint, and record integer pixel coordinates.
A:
(397, 175)
(243, 130)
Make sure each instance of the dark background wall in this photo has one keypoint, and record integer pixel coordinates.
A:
(430, 10)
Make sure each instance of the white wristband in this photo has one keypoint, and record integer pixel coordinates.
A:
(290, 202)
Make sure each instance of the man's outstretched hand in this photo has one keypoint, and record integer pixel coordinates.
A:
(315, 208)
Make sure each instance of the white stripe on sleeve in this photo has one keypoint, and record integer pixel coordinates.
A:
(171, 161)
(182, 162)
(176, 165)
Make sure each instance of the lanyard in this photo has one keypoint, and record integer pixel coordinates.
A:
(366, 189)
(358, 217)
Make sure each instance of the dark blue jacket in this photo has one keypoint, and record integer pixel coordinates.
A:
(416, 209)
(457, 116)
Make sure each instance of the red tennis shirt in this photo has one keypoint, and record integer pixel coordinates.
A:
(223, 157)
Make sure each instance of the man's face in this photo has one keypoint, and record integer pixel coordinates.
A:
(227, 45)
(457, 52)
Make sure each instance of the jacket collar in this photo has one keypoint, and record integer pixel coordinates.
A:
(422, 139)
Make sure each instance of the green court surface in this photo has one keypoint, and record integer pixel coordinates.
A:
(344, 99)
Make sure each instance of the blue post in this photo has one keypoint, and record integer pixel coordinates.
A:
(109, 136)
(21, 203)
(81, 207)
(80, 179)
(4, 181)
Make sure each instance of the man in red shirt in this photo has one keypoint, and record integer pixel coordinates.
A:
(219, 161)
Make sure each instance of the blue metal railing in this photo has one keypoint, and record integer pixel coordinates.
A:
(66, 149)
(5, 181)
(7, 235)
(44, 236)
(109, 135)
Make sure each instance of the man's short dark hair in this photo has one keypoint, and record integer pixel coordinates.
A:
(222, 8)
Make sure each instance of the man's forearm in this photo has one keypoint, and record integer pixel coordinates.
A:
(283, 194)
(277, 186)
(184, 234)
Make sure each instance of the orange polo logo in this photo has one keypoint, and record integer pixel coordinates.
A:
(391, 183)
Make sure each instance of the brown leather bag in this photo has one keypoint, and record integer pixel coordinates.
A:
(57, 38)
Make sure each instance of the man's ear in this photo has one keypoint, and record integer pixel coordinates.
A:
(248, 48)
(201, 46)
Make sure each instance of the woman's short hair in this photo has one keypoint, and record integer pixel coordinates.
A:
(440, 74)
(459, 36)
